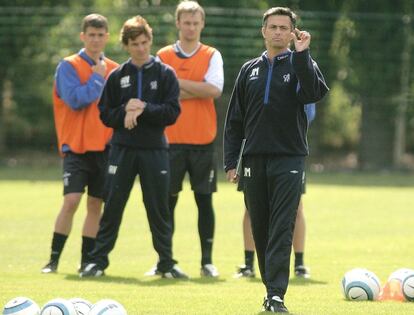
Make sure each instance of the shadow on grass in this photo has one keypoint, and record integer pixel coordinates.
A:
(305, 282)
(151, 282)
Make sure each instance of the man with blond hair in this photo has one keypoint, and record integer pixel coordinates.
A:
(199, 69)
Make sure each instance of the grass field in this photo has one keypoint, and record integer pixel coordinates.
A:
(353, 221)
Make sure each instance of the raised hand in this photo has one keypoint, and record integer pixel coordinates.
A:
(100, 67)
(301, 39)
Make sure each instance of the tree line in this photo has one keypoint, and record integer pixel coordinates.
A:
(363, 47)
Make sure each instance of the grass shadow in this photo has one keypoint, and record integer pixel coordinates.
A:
(207, 280)
(305, 282)
(153, 282)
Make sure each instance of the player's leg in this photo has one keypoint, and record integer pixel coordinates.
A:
(120, 179)
(90, 228)
(256, 200)
(202, 171)
(247, 270)
(299, 243)
(284, 179)
(98, 165)
(74, 182)
(178, 168)
(154, 176)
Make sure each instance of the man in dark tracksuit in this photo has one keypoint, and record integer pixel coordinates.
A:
(267, 109)
(138, 101)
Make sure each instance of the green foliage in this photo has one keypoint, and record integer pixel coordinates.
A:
(345, 229)
(356, 44)
(342, 120)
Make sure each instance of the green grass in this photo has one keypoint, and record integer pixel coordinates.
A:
(353, 220)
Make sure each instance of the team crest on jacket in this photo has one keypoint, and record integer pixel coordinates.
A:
(254, 75)
(154, 85)
(286, 78)
(125, 82)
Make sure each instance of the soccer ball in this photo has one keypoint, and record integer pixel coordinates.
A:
(107, 307)
(401, 274)
(408, 288)
(405, 277)
(58, 307)
(21, 306)
(360, 285)
(82, 306)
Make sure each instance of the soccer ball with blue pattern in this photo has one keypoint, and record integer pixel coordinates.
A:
(21, 306)
(360, 284)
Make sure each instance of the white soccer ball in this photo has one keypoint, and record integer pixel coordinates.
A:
(107, 307)
(361, 285)
(401, 274)
(82, 306)
(408, 287)
(58, 307)
(21, 306)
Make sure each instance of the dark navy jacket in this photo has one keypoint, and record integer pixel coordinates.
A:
(267, 106)
(154, 83)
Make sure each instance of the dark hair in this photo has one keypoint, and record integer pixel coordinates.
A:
(280, 11)
(135, 27)
(94, 20)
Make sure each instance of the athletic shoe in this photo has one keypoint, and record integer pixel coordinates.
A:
(152, 272)
(264, 304)
(51, 267)
(174, 273)
(209, 270)
(302, 272)
(92, 270)
(82, 267)
(276, 305)
(245, 271)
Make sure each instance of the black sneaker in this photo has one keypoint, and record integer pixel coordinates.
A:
(245, 272)
(174, 273)
(302, 272)
(276, 305)
(51, 267)
(92, 270)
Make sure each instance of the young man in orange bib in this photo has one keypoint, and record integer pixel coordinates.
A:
(199, 69)
(82, 138)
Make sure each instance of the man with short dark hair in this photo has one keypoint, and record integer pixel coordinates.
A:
(82, 138)
(139, 100)
(267, 109)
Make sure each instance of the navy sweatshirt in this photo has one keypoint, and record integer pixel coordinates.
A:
(154, 83)
(267, 106)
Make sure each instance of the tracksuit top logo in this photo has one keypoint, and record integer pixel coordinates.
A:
(247, 172)
(286, 78)
(254, 74)
(125, 82)
(154, 85)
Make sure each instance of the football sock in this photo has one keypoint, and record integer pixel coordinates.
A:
(88, 243)
(172, 202)
(205, 225)
(298, 259)
(249, 258)
(58, 242)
